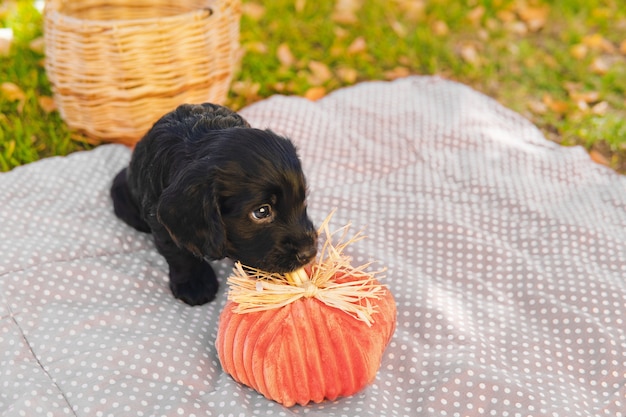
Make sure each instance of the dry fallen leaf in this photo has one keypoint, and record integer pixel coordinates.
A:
(47, 103)
(345, 18)
(254, 11)
(345, 11)
(279, 86)
(469, 53)
(300, 5)
(340, 33)
(337, 51)
(537, 107)
(6, 40)
(571, 86)
(516, 27)
(598, 43)
(579, 51)
(5, 47)
(347, 75)
(315, 93)
(440, 28)
(13, 92)
(556, 106)
(357, 46)
(622, 47)
(258, 47)
(285, 56)
(534, 17)
(246, 88)
(600, 109)
(37, 45)
(397, 72)
(597, 157)
(585, 97)
(320, 72)
(582, 106)
(405, 60)
(600, 65)
(549, 61)
(399, 28)
(412, 10)
(6, 7)
(476, 14)
(506, 16)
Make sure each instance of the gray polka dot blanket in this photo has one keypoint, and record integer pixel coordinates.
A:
(505, 254)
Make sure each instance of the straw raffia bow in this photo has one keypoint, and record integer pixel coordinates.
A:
(256, 290)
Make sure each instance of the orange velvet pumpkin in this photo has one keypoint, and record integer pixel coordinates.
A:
(307, 350)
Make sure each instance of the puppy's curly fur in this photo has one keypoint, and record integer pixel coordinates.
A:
(208, 186)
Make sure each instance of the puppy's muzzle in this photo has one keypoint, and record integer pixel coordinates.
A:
(306, 255)
(307, 249)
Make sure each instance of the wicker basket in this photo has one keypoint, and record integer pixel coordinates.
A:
(116, 66)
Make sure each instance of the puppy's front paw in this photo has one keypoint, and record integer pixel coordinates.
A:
(195, 287)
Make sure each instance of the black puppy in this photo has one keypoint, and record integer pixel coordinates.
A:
(208, 186)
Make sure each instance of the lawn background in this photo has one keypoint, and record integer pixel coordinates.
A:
(560, 63)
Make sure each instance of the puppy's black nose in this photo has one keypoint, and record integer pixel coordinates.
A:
(306, 254)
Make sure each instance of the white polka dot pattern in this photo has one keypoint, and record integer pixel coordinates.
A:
(505, 254)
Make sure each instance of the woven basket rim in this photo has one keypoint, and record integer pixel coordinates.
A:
(53, 13)
(96, 57)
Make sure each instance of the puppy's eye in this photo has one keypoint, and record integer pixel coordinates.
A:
(262, 213)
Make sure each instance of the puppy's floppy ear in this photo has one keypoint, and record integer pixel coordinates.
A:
(189, 210)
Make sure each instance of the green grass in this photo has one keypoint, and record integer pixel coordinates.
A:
(533, 67)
